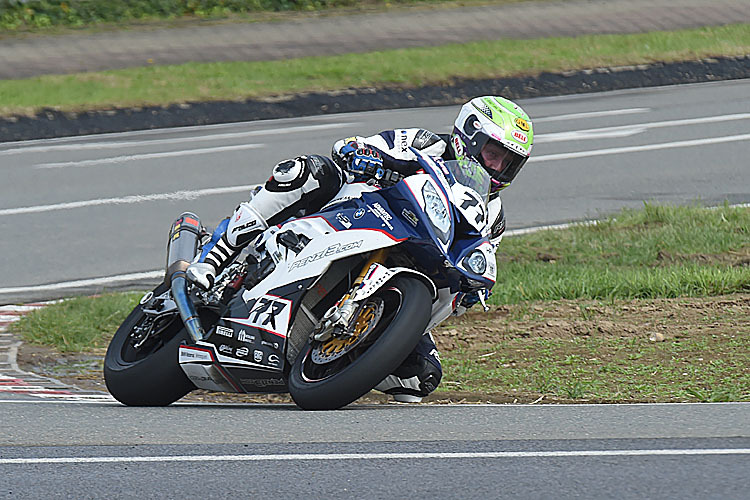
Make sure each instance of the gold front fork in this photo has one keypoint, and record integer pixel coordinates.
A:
(377, 257)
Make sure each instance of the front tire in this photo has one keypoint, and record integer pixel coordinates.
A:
(150, 375)
(332, 385)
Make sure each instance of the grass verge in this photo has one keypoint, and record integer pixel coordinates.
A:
(583, 333)
(193, 82)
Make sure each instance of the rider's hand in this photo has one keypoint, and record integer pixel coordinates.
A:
(202, 274)
(367, 161)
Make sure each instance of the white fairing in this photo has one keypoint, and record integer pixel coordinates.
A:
(379, 275)
(489, 253)
(441, 308)
(350, 191)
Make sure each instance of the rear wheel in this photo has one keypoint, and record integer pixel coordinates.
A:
(142, 369)
(384, 330)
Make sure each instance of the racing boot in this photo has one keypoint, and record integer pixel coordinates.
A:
(243, 227)
(417, 376)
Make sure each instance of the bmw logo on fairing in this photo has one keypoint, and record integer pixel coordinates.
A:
(359, 213)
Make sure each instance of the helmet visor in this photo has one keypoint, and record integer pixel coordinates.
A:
(501, 163)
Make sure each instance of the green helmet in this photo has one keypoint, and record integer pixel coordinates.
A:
(495, 132)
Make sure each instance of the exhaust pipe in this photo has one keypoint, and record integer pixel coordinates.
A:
(181, 250)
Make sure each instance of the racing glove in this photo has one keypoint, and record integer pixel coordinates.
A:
(366, 161)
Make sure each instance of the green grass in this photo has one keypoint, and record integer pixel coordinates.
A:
(161, 85)
(45, 16)
(660, 251)
(77, 324)
(704, 369)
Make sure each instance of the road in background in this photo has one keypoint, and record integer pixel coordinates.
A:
(23, 57)
(101, 206)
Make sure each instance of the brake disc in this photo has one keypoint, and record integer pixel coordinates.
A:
(363, 322)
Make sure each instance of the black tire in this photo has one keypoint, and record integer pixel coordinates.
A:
(388, 347)
(151, 376)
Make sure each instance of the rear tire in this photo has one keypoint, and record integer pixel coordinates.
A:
(151, 376)
(316, 387)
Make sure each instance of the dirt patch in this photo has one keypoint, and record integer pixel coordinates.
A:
(562, 319)
(474, 338)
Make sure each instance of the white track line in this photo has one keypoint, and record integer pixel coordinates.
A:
(174, 140)
(591, 114)
(626, 130)
(377, 456)
(147, 156)
(634, 149)
(125, 200)
(85, 282)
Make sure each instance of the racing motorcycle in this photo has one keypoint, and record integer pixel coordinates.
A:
(323, 307)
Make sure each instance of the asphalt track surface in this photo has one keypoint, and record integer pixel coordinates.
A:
(102, 450)
(99, 207)
(23, 57)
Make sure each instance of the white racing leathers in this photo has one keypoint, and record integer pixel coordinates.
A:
(302, 186)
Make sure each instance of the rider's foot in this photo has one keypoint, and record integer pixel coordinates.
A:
(202, 274)
(407, 398)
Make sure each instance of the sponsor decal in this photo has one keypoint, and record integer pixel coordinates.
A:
(382, 214)
(424, 139)
(458, 146)
(262, 382)
(410, 217)
(224, 331)
(243, 336)
(268, 313)
(275, 345)
(273, 360)
(265, 310)
(204, 378)
(187, 354)
(331, 250)
(520, 136)
(344, 220)
(441, 163)
(359, 213)
(522, 124)
(258, 355)
(242, 352)
(402, 142)
(246, 225)
(225, 349)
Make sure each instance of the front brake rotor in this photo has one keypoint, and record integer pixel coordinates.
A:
(361, 325)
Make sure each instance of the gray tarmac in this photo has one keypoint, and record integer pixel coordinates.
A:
(24, 57)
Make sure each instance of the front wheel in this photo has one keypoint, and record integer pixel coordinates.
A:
(385, 329)
(143, 370)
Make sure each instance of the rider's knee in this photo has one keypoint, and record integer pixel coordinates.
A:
(306, 173)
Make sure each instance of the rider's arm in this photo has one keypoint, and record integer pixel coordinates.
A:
(393, 146)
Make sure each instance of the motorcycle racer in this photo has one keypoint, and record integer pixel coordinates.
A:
(491, 130)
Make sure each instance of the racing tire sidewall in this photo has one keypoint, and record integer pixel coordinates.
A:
(156, 380)
(391, 348)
